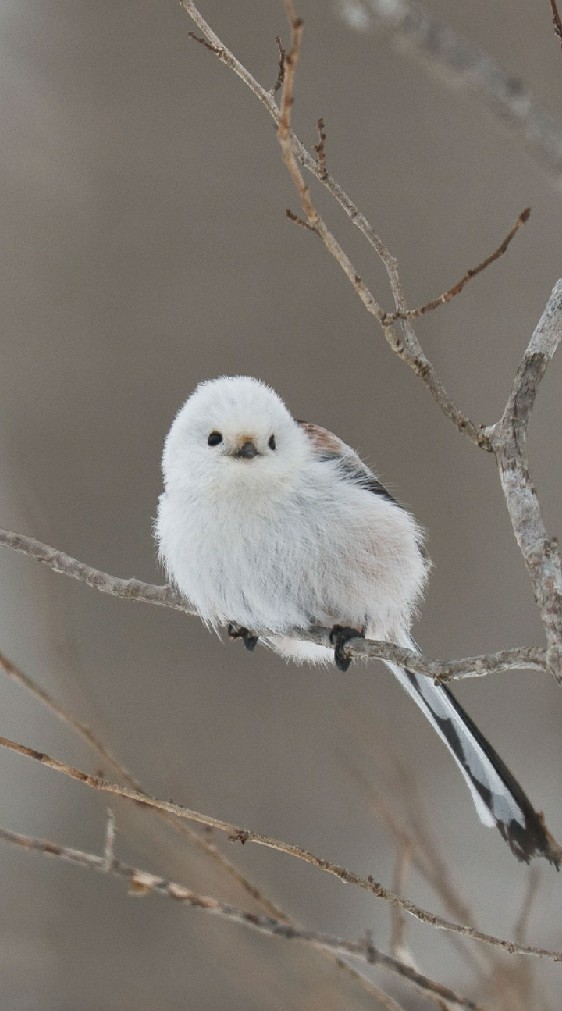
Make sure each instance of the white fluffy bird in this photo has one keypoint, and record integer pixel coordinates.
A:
(268, 524)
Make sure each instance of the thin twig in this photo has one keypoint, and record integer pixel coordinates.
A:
(242, 835)
(320, 149)
(456, 289)
(203, 42)
(143, 882)
(281, 73)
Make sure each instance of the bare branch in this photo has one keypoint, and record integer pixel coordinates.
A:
(509, 440)
(456, 289)
(556, 20)
(281, 73)
(414, 33)
(524, 657)
(405, 344)
(201, 842)
(320, 148)
(203, 42)
(143, 882)
(131, 589)
(237, 834)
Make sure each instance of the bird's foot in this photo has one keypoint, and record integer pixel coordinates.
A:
(339, 637)
(239, 632)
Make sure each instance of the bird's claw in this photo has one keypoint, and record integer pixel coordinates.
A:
(339, 637)
(239, 632)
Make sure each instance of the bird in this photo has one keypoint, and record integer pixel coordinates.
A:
(269, 524)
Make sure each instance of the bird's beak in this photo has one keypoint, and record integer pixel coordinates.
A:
(246, 450)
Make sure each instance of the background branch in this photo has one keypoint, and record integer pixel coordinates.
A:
(142, 882)
(237, 834)
(414, 33)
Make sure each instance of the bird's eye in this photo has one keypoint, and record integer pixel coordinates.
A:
(214, 438)
(272, 444)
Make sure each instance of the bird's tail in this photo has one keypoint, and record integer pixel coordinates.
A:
(498, 797)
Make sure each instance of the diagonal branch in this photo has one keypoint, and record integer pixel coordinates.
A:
(237, 834)
(405, 344)
(58, 561)
(142, 882)
(201, 842)
(470, 274)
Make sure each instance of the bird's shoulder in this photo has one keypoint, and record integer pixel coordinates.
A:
(329, 447)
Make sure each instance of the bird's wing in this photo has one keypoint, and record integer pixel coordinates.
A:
(328, 446)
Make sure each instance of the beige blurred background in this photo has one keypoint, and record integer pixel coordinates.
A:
(145, 247)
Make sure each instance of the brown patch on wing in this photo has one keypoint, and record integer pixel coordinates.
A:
(324, 442)
(329, 447)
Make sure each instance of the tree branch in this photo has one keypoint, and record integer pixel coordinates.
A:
(108, 758)
(58, 561)
(520, 658)
(509, 441)
(237, 834)
(142, 882)
(405, 344)
(556, 21)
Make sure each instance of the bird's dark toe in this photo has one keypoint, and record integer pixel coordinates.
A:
(339, 637)
(239, 632)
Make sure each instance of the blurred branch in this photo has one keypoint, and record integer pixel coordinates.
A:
(199, 841)
(237, 834)
(509, 441)
(413, 32)
(108, 758)
(519, 658)
(142, 882)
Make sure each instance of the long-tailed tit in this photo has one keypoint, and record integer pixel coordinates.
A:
(276, 524)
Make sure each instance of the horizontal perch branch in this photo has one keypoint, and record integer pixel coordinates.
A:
(524, 657)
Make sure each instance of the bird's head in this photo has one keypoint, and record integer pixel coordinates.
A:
(234, 431)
